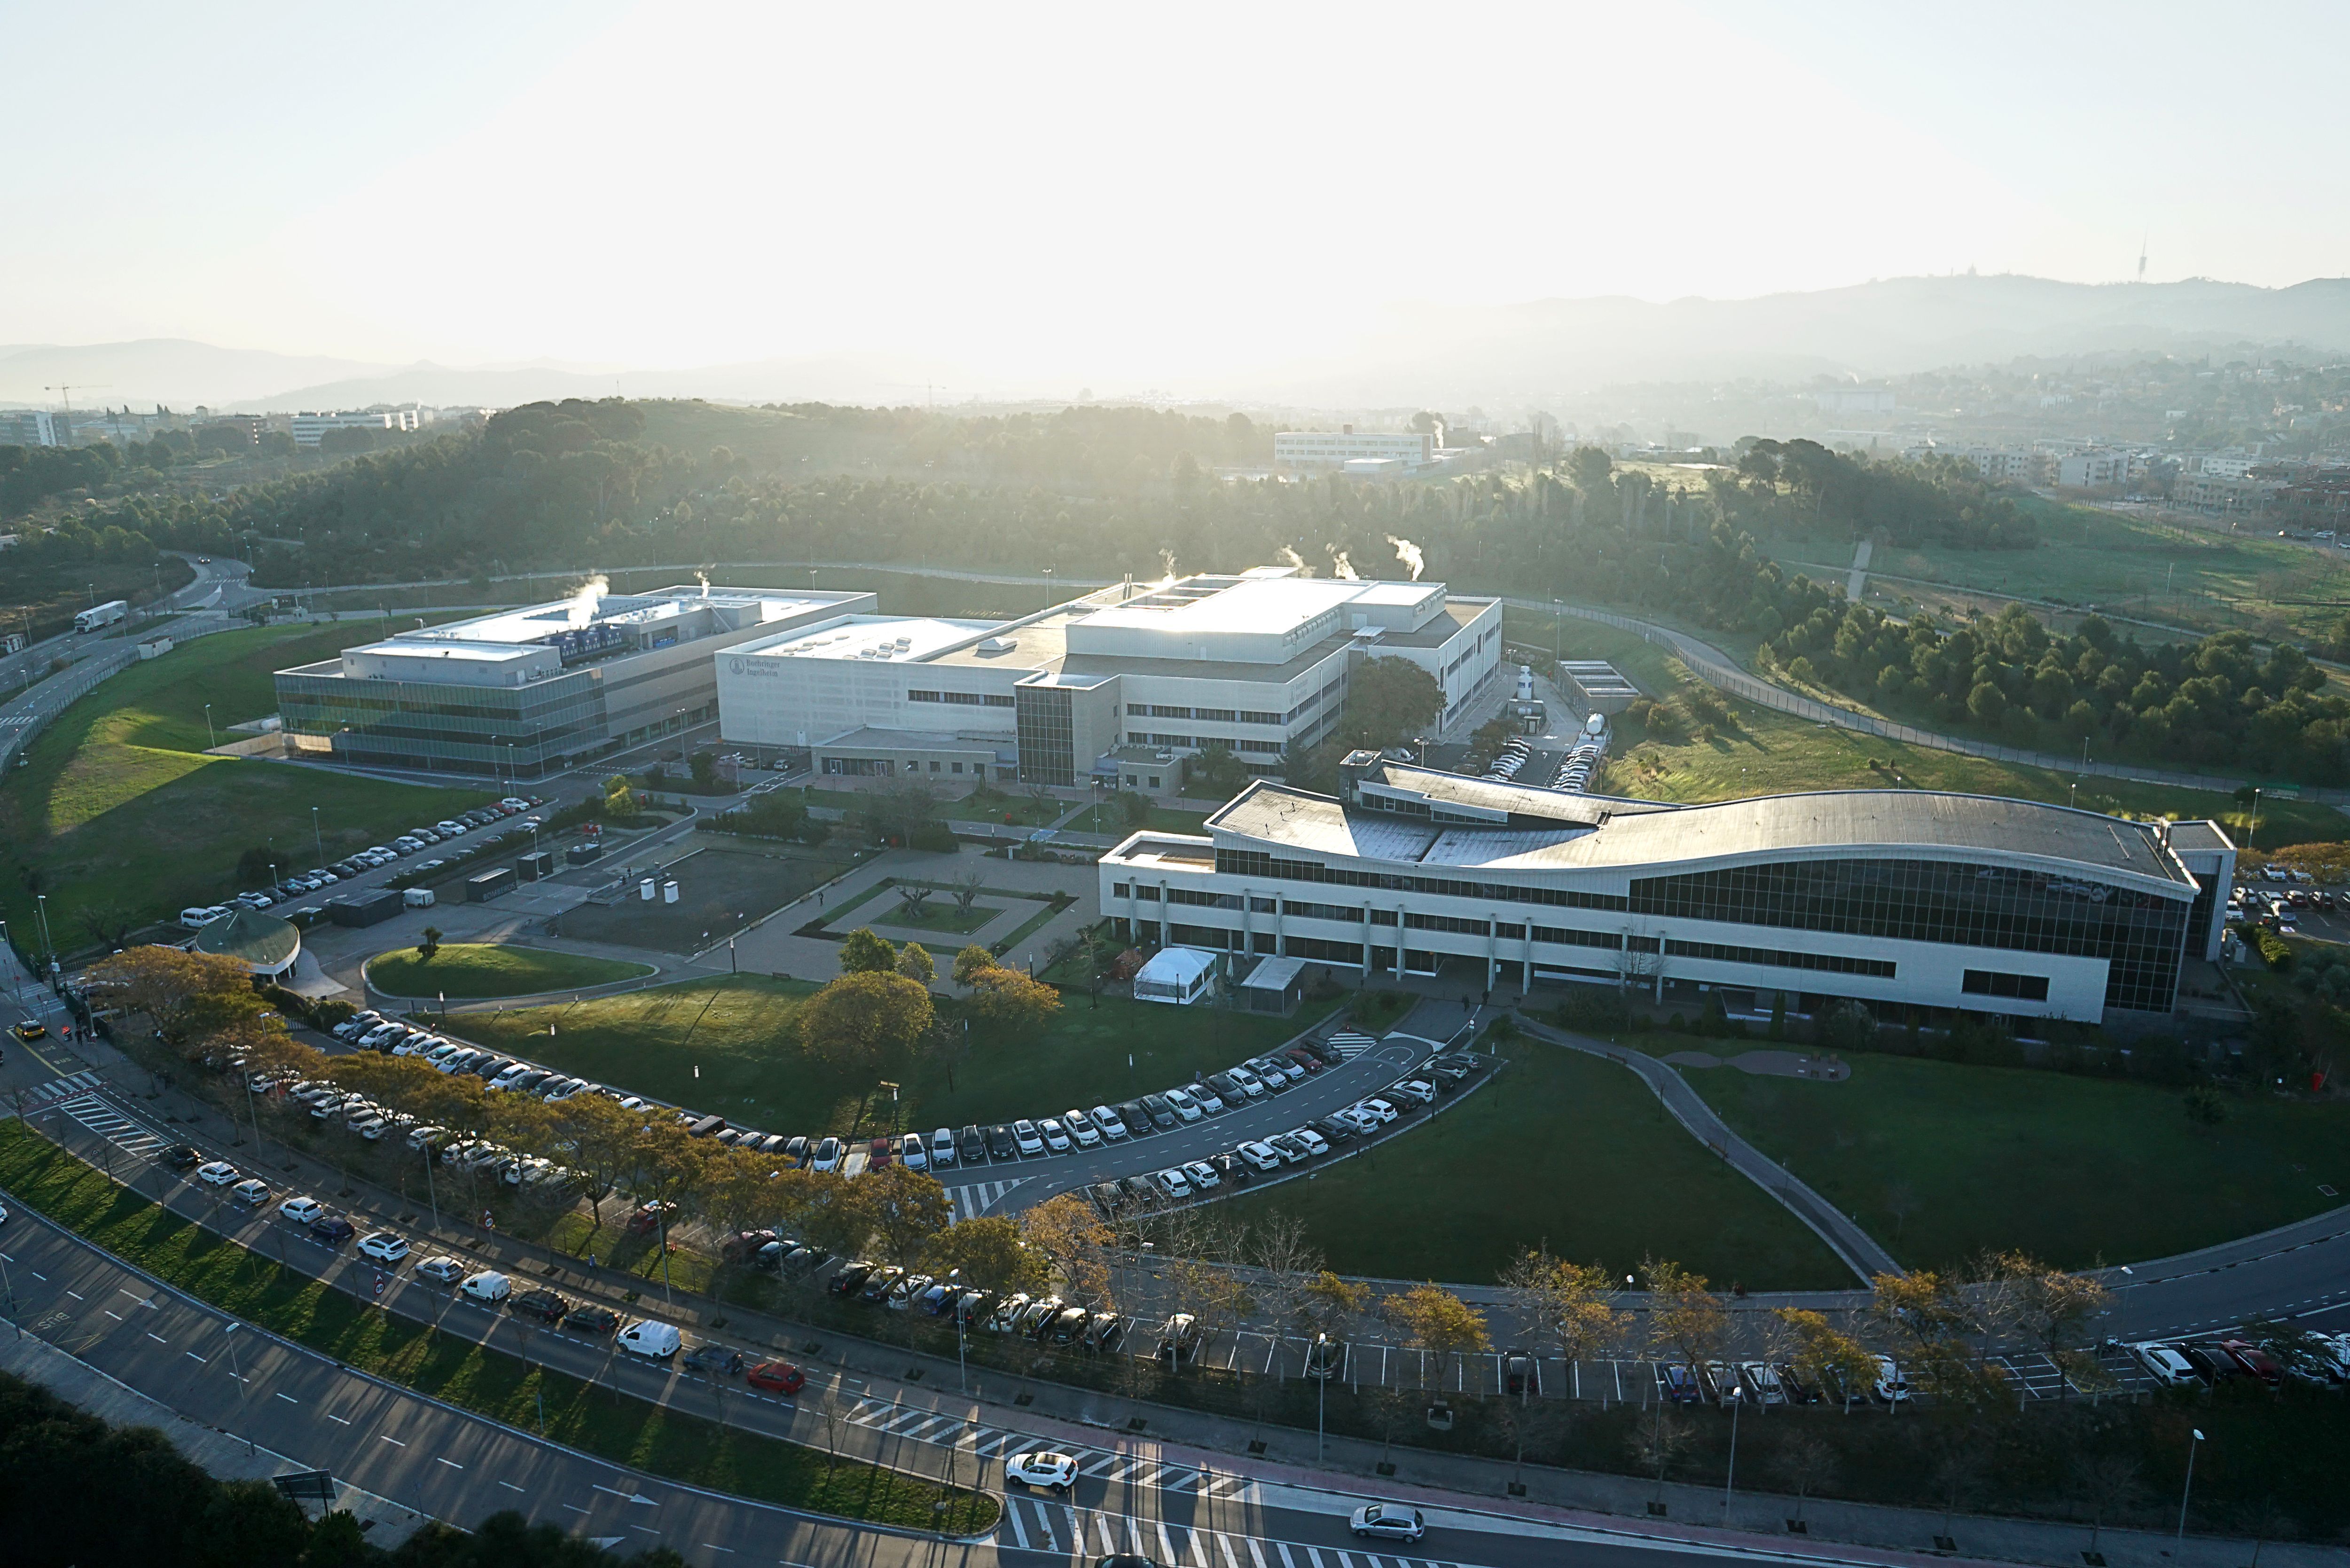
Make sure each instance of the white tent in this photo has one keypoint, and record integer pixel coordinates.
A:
(1177, 975)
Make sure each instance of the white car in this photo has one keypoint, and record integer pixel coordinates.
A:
(1314, 1141)
(440, 1052)
(1251, 1085)
(251, 1190)
(942, 1147)
(1260, 1154)
(911, 1153)
(1379, 1109)
(197, 918)
(1175, 1183)
(1203, 1174)
(1186, 1108)
(515, 803)
(1359, 1119)
(1107, 1120)
(1209, 1101)
(1029, 1141)
(1891, 1387)
(1081, 1128)
(1043, 1467)
(1057, 1138)
(301, 1211)
(441, 1270)
(383, 1246)
(1390, 1522)
(2163, 1363)
(827, 1155)
(421, 1138)
(219, 1173)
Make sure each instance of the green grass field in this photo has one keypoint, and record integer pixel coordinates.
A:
(502, 1384)
(119, 807)
(1104, 817)
(737, 1033)
(472, 970)
(1941, 1160)
(939, 915)
(1562, 1150)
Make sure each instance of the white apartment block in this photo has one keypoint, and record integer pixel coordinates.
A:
(310, 428)
(1334, 450)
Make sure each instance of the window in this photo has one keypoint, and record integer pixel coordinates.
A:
(1990, 983)
(922, 697)
(1138, 710)
(1249, 718)
(958, 767)
(1217, 715)
(1161, 711)
(1825, 963)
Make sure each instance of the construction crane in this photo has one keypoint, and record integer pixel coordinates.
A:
(67, 392)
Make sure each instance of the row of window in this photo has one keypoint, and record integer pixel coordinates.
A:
(1776, 958)
(964, 699)
(1991, 982)
(1259, 863)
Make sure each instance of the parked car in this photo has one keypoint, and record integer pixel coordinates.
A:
(1891, 1387)
(971, 1147)
(1042, 1468)
(441, 1270)
(488, 1287)
(1112, 1125)
(879, 1284)
(942, 1147)
(1081, 1128)
(334, 1230)
(1185, 1107)
(776, 1376)
(1390, 1522)
(301, 1210)
(1025, 1137)
(2163, 1362)
(712, 1359)
(653, 1341)
(849, 1279)
(1056, 1137)
(383, 1246)
(1134, 1118)
(1161, 1114)
(1261, 1156)
(999, 1143)
(589, 1317)
(542, 1303)
(1178, 1337)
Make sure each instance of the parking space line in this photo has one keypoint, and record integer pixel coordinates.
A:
(289, 1398)
(343, 1419)
(395, 1442)
(510, 1486)
(450, 1463)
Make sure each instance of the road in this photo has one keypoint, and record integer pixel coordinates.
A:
(458, 1467)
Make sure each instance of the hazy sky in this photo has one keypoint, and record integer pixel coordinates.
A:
(1130, 195)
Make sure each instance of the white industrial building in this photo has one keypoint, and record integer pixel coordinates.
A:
(1336, 448)
(1116, 687)
(310, 428)
(1965, 903)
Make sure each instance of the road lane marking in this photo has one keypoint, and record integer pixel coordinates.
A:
(575, 1508)
(112, 1314)
(1225, 1544)
(1019, 1531)
(344, 1420)
(159, 1339)
(395, 1442)
(510, 1486)
(450, 1463)
(1256, 1552)
(78, 1296)
(193, 1356)
(289, 1398)
(648, 1529)
(1173, 1555)
(601, 1486)
(715, 1547)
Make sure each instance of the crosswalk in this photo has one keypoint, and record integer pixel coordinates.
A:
(914, 1423)
(974, 1200)
(1064, 1529)
(127, 1135)
(58, 1088)
(1350, 1044)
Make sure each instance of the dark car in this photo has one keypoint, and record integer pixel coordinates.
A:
(181, 1156)
(744, 1245)
(589, 1318)
(490, 1066)
(1106, 1197)
(715, 1360)
(1226, 1089)
(649, 1217)
(971, 1146)
(542, 1303)
(332, 1229)
(1525, 1374)
(797, 1151)
(1137, 1119)
(1232, 1170)
(1162, 1115)
(849, 1279)
(2210, 1363)
(1305, 1059)
(2254, 1360)
(1138, 1190)
(880, 1283)
(1332, 1128)
(1065, 1326)
(999, 1143)
(1681, 1386)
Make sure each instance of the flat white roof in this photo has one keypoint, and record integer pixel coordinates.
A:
(1176, 966)
(1255, 605)
(890, 639)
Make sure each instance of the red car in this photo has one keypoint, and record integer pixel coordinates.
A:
(880, 1152)
(2254, 1360)
(777, 1377)
(648, 1218)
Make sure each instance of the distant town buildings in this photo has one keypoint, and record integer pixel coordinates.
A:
(1329, 449)
(310, 428)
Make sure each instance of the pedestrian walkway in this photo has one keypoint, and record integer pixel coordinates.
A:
(74, 1084)
(100, 1117)
(976, 1198)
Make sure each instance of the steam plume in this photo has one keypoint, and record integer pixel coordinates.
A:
(704, 578)
(1290, 557)
(1410, 555)
(1341, 568)
(582, 607)
(1167, 564)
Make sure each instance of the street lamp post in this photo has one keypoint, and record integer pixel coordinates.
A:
(2252, 834)
(316, 837)
(1321, 1388)
(211, 737)
(1730, 1479)
(231, 1330)
(2187, 1490)
(431, 1196)
(48, 943)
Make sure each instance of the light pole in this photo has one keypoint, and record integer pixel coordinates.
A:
(1737, 1402)
(1321, 1388)
(316, 837)
(48, 944)
(2187, 1490)
(2252, 834)
(230, 1330)
(211, 737)
(10, 1286)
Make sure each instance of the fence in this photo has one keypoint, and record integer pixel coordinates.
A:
(1709, 665)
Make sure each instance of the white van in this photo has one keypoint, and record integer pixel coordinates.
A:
(487, 1286)
(653, 1341)
(418, 898)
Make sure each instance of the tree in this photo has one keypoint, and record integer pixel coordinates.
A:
(986, 1252)
(172, 987)
(1072, 1238)
(619, 799)
(1218, 769)
(1589, 466)
(1684, 1317)
(972, 963)
(2056, 1311)
(865, 1020)
(1329, 1303)
(109, 924)
(1011, 1003)
(965, 887)
(1389, 701)
(1825, 1356)
(2108, 1483)
(1655, 1443)
(1804, 1463)
(704, 768)
(1930, 1310)
(862, 952)
(1435, 1320)
(1569, 1306)
(914, 963)
(908, 1209)
(590, 1135)
(429, 944)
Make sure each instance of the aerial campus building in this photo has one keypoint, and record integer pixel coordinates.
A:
(1115, 688)
(1966, 903)
(525, 693)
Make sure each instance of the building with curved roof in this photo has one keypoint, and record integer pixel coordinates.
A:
(262, 943)
(1968, 903)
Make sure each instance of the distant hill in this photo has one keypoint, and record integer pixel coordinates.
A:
(1408, 355)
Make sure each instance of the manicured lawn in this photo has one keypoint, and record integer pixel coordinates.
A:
(738, 1031)
(119, 807)
(661, 1440)
(476, 969)
(1107, 819)
(1941, 1160)
(1562, 1150)
(938, 915)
